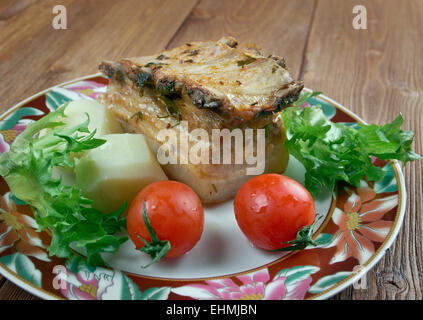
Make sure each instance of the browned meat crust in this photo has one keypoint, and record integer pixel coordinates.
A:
(210, 85)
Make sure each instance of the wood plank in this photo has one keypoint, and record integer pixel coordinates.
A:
(377, 74)
(279, 27)
(35, 56)
(10, 291)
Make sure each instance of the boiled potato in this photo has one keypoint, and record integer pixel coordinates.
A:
(101, 118)
(116, 171)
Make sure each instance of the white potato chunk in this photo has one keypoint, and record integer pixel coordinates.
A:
(101, 118)
(116, 171)
(65, 175)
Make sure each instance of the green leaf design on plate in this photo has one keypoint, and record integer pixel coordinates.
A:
(130, 291)
(23, 266)
(14, 118)
(161, 293)
(16, 200)
(388, 183)
(353, 125)
(297, 273)
(323, 240)
(55, 99)
(328, 281)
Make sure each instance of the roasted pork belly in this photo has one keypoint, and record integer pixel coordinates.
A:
(205, 85)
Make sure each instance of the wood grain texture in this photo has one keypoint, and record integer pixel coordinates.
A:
(9, 8)
(374, 72)
(377, 74)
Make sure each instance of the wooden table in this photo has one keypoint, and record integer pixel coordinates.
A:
(376, 72)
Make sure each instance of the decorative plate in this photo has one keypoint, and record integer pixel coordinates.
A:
(356, 227)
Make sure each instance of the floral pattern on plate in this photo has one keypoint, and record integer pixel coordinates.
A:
(18, 230)
(286, 285)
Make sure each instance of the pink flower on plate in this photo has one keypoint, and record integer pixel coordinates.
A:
(360, 224)
(7, 136)
(255, 286)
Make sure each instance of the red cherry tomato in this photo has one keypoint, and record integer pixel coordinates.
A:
(271, 209)
(174, 212)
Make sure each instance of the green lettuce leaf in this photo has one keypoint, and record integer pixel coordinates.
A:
(27, 169)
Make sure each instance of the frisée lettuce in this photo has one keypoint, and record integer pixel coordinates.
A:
(27, 168)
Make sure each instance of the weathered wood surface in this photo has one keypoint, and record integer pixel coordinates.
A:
(374, 72)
